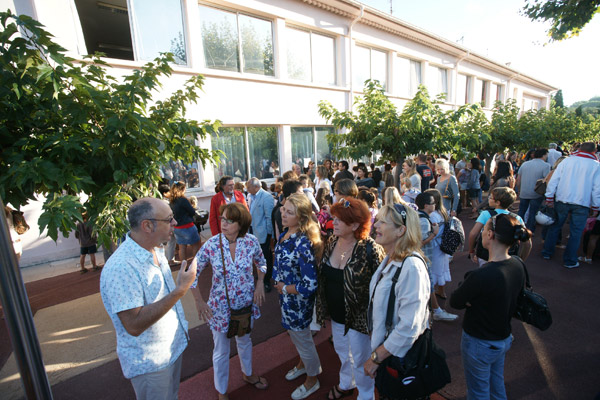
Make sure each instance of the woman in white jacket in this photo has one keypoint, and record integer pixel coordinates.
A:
(399, 233)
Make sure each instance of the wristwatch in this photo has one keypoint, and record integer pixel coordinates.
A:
(284, 290)
(374, 358)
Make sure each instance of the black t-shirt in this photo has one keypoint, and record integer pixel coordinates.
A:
(426, 176)
(492, 292)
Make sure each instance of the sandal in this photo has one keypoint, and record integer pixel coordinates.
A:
(83, 270)
(260, 383)
(337, 393)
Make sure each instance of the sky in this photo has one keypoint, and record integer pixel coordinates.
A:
(494, 28)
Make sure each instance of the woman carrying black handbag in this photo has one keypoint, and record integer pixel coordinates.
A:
(402, 273)
(490, 296)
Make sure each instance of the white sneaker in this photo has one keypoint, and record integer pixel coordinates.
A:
(294, 373)
(585, 260)
(301, 392)
(576, 265)
(444, 315)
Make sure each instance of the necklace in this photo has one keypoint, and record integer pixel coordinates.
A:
(343, 256)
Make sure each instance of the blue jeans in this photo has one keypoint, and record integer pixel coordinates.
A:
(483, 362)
(534, 206)
(579, 215)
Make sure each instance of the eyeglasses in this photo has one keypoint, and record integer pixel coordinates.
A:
(344, 202)
(169, 219)
(400, 209)
(227, 220)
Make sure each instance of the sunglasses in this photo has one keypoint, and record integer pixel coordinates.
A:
(344, 202)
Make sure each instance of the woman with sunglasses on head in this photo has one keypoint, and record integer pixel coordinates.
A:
(399, 233)
(349, 260)
(186, 233)
(295, 273)
(231, 254)
(489, 295)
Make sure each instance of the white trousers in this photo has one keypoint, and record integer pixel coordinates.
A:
(353, 349)
(307, 351)
(221, 353)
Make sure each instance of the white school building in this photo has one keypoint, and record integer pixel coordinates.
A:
(267, 64)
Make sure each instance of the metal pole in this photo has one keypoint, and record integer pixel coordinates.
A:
(19, 319)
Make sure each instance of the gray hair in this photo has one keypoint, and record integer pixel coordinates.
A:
(552, 146)
(254, 182)
(139, 211)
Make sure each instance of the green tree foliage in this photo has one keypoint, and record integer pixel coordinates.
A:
(70, 131)
(421, 127)
(567, 17)
(558, 99)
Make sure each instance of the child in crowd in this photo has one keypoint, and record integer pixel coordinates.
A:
(87, 243)
(500, 199)
(474, 186)
(409, 193)
(429, 230)
(463, 183)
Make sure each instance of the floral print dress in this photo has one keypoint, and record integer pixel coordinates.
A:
(294, 264)
(240, 280)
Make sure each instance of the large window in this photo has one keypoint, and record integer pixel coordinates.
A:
(264, 156)
(310, 56)
(310, 143)
(177, 171)
(134, 29)
(409, 77)
(438, 81)
(369, 63)
(261, 160)
(324, 148)
(236, 42)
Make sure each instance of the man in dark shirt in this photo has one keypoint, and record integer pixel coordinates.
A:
(343, 172)
(424, 171)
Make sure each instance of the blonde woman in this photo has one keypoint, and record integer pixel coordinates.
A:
(409, 171)
(399, 233)
(447, 186)
(295, 273)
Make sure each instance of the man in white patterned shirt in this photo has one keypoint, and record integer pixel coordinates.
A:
(142, 300)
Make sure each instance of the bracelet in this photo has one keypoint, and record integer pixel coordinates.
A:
(284, 290)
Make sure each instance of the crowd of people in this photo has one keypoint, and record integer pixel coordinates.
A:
(333, 241)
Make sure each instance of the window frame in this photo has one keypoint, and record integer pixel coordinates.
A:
(312, 62)
(387, 70)
(241, 62)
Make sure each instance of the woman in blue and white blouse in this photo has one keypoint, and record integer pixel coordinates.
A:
(294, 270)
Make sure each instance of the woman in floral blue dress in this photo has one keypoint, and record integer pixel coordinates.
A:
(240, 250)
(294, 270)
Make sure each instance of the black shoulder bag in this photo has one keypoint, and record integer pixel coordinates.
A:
(422, 371)
(532, 307)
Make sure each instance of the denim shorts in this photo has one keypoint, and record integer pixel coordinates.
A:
(187, 236)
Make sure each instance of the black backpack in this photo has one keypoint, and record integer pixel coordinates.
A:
(483, 253)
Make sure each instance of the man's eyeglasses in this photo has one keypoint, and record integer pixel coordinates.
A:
(227, 220)
(169, 219)
(344, 202)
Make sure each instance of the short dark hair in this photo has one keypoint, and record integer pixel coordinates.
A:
(423, 199)
(539, 153)
(138, 212)
(237, 212)
(344, 163)
(290, 187)
(505, 196)
(588, 147)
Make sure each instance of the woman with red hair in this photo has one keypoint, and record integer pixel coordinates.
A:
(349, 260)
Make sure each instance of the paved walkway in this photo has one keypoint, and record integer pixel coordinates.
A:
(78, 342)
